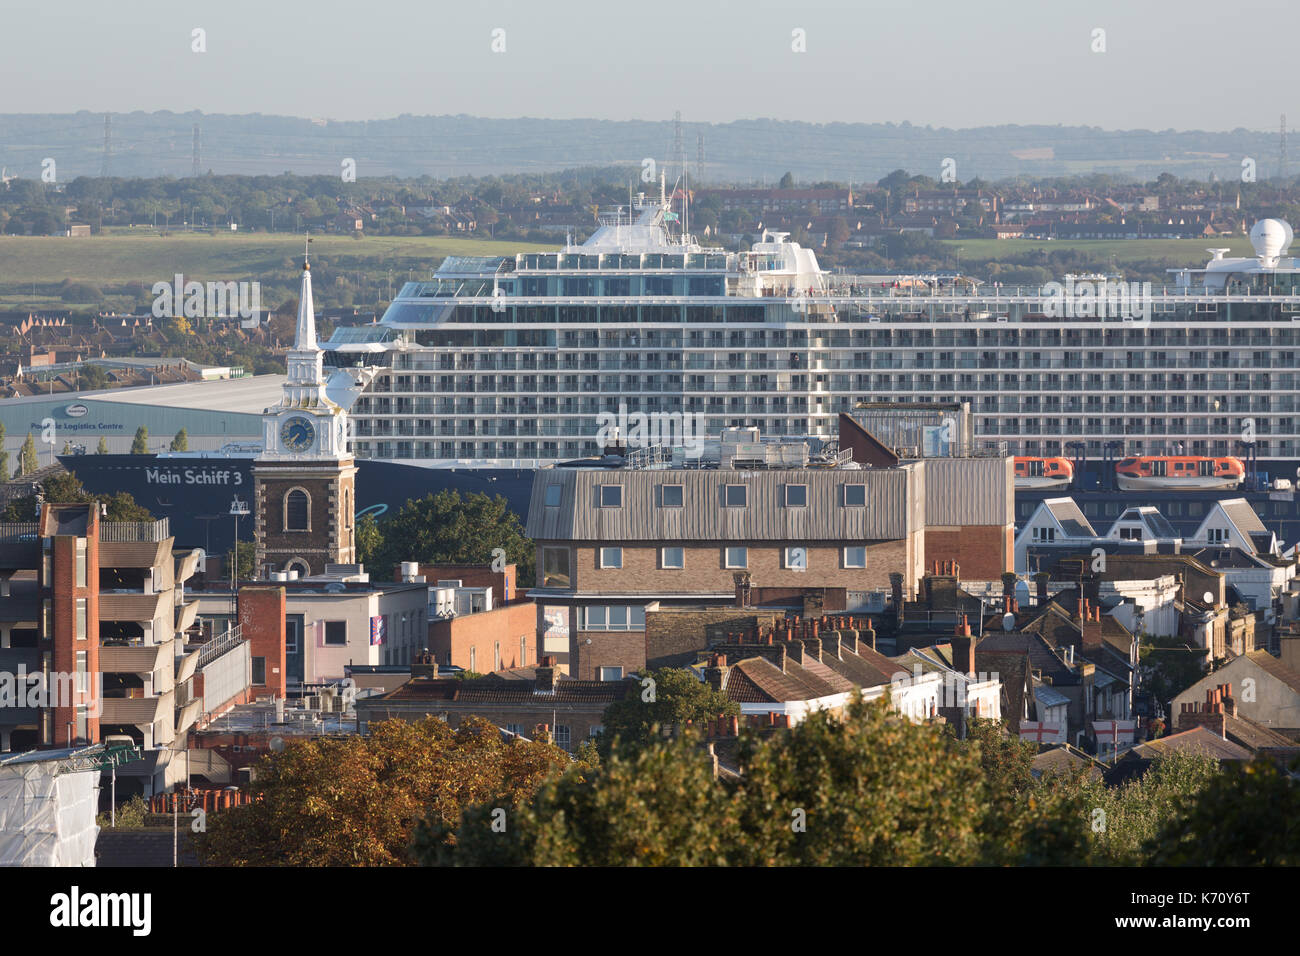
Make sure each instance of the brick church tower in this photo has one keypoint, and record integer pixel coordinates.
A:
(305, 478)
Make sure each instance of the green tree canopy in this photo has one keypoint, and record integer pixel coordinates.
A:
(670, 699)
(27, 462)
(448, 529)
(140, 444)
(102, 448)
(181, 442)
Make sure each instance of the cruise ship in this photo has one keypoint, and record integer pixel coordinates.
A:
(514, 361)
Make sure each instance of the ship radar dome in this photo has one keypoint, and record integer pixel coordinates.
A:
(1271, 239)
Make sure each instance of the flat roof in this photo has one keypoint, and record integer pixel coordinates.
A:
(251, 395)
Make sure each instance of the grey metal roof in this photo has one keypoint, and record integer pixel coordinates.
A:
(894, 506)
(1243, 516)
(969, 491)
(1049, 696)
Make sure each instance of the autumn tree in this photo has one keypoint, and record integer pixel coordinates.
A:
(102, 448)
(356, 800)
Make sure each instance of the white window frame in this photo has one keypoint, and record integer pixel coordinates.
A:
(855, 547)
(726, 558)
(663, 558)
(787, 558)
(610, 554)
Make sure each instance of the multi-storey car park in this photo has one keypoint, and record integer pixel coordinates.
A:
(508, 361)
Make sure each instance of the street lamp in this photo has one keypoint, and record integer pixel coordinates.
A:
(238, 508)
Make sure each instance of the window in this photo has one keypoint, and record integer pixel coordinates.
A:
(296, 508)
(496, 656)
(523, 651)
(81, 619)
(47, 620)
(562, 738)
(473, 659)
(855, 556)
(610, 673)
(1217, 535)
(618, 617)
(855, 496)
(553, 496)
(611, 557)
(796, 496)
(83, 672)
(736, 557)
(737, 496)
(672, 558)
(81, 563)
(555, 568)
(336, 633)
(611, 496)
(259, 670)
(672, 496)
(796, 559)
(516, 729)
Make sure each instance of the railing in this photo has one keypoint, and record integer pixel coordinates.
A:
(127, 532)
(218, 646)
(19, 532)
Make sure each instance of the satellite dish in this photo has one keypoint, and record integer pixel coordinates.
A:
(1208, 597)
(1008, 622)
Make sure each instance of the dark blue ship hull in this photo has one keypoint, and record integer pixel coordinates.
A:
(195, 493)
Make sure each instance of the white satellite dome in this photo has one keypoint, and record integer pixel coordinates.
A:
(1271, 239)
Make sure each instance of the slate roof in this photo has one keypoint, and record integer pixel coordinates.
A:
(1062, 758)
(1198, 740)
(1275, 668)
(757, 680)
(1069, 516)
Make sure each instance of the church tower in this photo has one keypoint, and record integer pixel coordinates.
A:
(304, 481)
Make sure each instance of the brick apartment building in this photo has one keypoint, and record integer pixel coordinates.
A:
(99, 609)
(612, 545)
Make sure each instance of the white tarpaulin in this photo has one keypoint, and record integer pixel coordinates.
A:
(47, 818)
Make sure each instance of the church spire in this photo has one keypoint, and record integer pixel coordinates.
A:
(306, 333)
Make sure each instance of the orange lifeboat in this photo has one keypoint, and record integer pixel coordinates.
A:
(1179, 473)
(1043, 472)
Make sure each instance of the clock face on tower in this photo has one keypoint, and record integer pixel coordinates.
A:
(297, 433)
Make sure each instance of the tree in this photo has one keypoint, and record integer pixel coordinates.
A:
(181, 442)
(369, 539)
(658, 807)
(4, 456)
(102, 448)
(787, 181)
(448, 529)
(355, 801)
(66, 488)
(27, 456)
(670, 697)
(245, 569)
(140, 444)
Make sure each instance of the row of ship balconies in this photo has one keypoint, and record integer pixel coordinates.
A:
(632, 358)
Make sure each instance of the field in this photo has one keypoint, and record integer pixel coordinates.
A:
(141, 257)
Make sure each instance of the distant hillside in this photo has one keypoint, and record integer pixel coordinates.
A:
(153, 144)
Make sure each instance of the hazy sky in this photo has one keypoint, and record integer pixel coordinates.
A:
(1194, 64)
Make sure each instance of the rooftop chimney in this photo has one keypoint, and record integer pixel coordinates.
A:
(963, 648)
(424, 665)
(544, 682)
